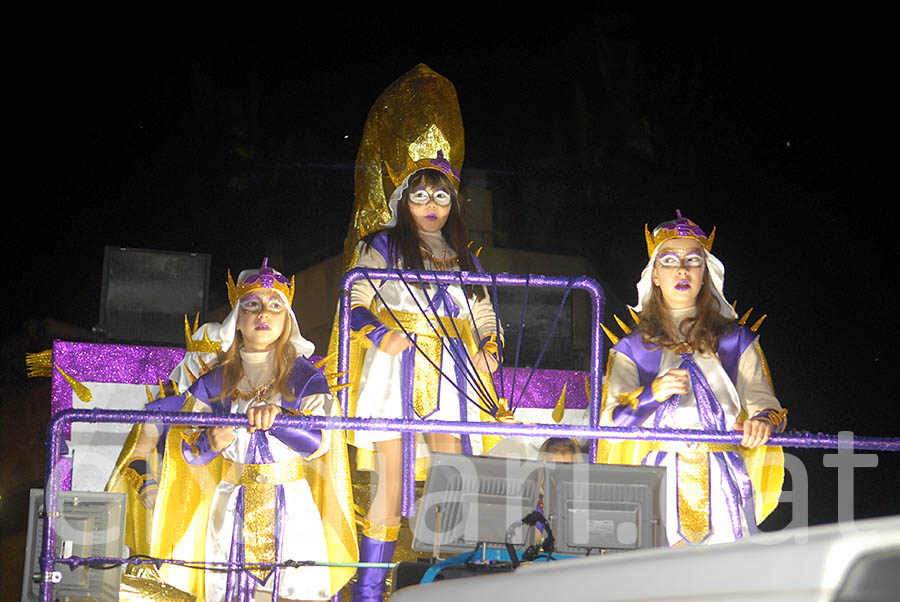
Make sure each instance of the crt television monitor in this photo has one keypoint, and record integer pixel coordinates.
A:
(90, 523)
(474, 499)
(605, 507)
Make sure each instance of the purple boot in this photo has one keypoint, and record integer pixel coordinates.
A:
(369, 585)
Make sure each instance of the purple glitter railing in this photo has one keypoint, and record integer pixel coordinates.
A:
(60, 422)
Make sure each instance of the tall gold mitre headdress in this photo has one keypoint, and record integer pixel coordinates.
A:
(414, 124)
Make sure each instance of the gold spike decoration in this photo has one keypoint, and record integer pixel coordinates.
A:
(478, 252)
(40, 365)
(745, 317)
(758, 323)
(175, 387)
(734, 306)
(206, 368)
(190, 374)
(83, 393)
(337, 375)
(324, 360)
(149, 394)
(622, 325)
(337, 388)
(612, 337)
(205, 345)
(560, 408)
(587, 385)
(634, 316)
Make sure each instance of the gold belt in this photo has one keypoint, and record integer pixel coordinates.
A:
(425, 383)
(419, 324)
(264, 474)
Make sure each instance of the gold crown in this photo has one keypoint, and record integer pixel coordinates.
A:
(265, 278)
(681, 227)
(204, 345)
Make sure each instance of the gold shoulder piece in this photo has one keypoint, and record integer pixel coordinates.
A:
(758, 323)
(610, 335)
(634, 316)
(622, 325)
(745, 317)
(149, 394)
(40, 365)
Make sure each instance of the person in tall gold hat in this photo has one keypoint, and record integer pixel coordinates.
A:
(423, 351)
(690, 364)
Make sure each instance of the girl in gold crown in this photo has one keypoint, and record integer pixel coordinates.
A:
(690, 365)
(267, 493)
(430, 347)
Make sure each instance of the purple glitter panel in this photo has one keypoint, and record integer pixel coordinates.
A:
(96, 363)
(544, 389)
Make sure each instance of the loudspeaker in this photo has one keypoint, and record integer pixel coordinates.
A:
(146, 294)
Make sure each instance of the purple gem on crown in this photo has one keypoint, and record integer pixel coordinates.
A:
(267, 276)
(683, 226)
(442, 164)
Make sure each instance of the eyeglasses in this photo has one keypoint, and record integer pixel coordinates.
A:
(254, 304)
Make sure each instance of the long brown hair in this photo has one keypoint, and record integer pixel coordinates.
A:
(285, 355)
(404, 240)
(701, 331)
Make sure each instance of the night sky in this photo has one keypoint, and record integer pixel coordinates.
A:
(239, 140)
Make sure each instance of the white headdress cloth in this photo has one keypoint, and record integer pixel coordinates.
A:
(716, 276)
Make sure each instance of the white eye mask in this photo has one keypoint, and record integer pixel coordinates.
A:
(422, 195)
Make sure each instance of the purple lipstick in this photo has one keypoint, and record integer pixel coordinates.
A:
(263, 326)
(431, 217)
(683, 285)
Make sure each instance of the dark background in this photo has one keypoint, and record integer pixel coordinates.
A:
(235, 135)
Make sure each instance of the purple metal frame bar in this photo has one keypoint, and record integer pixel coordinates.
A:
(591, 286)
(59, 423)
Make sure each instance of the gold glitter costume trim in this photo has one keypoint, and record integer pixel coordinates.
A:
(693, 496)
(379, 532)
(276, 473)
